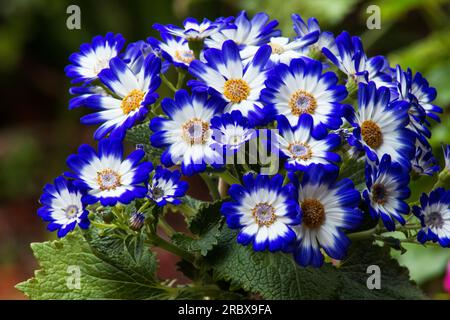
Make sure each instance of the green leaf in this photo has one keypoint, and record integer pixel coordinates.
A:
(277, 276)
(203, 244)
(354, 169)
(109, 268)
(140, 134)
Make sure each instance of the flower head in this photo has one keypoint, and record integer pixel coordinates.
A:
(133, 92)
(434, 215)
(105, 176)
(328, 208)
(175, 50)
(264, 210)
(166, 187)
(424, 162)
(187, 133)
(301, 149)
(244, 32)
(387, 190)
(380, 126)
(446, 150)
(225, 76)
(300, 88)
(94, 57)
(62, 207)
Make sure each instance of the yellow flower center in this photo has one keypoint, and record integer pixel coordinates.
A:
(236, 90)
(302, 102)
(313, 213)
(371, 134)
(132, 101)
(195, 131)
(108, 179)
(186, 56)
(276, 48)
(300, 150)
(264, 214)
(71, 211)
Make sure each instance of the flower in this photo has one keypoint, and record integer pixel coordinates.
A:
(446, 151)
(300, 88)
(283, 49)
(325, 39)
(187, 132)
(94, 57)
(434, 215)
(424, 162)
(328, 208)
(136, 52)
(165, 187)
(132, 92)
(301, 149)
(349, 56)
(136, 221)
(62, 207)
(231, 131)
(244, 32)
(193, 30)
(175, 50)
(380, 126)
(105, 176)
(225, 76)
(264, 210)
(387, 190)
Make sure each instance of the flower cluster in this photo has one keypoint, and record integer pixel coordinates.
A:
(328, 108)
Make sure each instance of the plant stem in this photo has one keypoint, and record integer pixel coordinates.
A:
(157, 241)
(180, 79)
(103, 225)
(211, 186)
(228, 177)
(168, 83)
(362, 234)
(144, 206)
(166, 227)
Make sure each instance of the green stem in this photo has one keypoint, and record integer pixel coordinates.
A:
(186, 210)
(166, 227)
(144, 206)
(228, 177)
(168, 83)
(365, 234)
(180, 79)
(103, 225)
(213, 190)
(157, 241)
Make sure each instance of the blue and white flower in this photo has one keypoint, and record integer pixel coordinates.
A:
(264, 211)
(174, 50)
(224, 75)
(434, 215)
(166, 187)
(300, 88)
(136, 53)
(132, 94)
(329, 208)
(62, 207)
(94, 57)
(301, 149)
(424, 162)
(81, 93)
(325, 39)
(187, 134)
(231, 131)
(380, 126)
(446, 151)
(245, 32)
(105, 176)
(387, 190)
(193, 30)
(283, 49)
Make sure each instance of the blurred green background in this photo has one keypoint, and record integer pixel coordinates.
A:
(37, 132)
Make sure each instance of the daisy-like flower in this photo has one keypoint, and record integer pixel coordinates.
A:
(136, 52)
(175, 50)
(245, 32)
(105, 176)
(132, 92)
(302, 28)
(231, 131)
(187, 133)
(350, 58)
(446, 151)
(264, 210)
(434, 215)
(424, 162)
(81, 93)
(62, 207)
(328, 208)
(380, 126)
(283, 49)
(224, 75)
(301, 149)
(387, 190)
(166, 186)
(94, 57)
(193, 30)
(301, 88)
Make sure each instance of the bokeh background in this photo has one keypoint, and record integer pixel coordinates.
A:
(37, 132)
